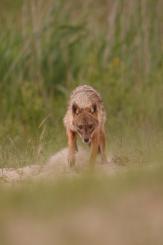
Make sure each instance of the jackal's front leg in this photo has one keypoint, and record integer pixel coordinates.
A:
(102, 147)
(94, 150)
(71, 147)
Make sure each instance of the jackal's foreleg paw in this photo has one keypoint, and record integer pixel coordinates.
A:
(71, 161)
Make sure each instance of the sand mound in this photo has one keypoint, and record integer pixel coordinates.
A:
(55, 167)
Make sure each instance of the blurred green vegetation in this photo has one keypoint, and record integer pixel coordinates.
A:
(49, 47)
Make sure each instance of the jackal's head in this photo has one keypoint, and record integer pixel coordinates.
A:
(85, 121)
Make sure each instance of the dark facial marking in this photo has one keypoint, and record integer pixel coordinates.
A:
(75, 108)
(94, 108)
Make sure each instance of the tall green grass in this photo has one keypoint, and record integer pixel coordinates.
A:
(47, 48)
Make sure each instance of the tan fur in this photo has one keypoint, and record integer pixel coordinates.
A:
(85, 117)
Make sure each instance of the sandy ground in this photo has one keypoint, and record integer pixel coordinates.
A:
(56, 167)
(135, 219)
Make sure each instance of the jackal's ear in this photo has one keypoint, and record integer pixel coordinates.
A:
(75, 108)
(94, 108)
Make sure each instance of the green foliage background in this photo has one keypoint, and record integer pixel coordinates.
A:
(49, 47)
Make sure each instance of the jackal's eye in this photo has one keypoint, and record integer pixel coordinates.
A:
(80, 126)
(90, 126)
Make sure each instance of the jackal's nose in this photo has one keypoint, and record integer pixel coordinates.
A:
(86, 140)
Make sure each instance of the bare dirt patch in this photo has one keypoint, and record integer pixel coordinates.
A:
(56, 167)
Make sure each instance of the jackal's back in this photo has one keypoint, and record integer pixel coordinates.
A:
(85, 96)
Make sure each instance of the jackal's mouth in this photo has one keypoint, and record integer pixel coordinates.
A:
(85, 140)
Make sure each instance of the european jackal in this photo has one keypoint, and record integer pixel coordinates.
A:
(85, 117)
